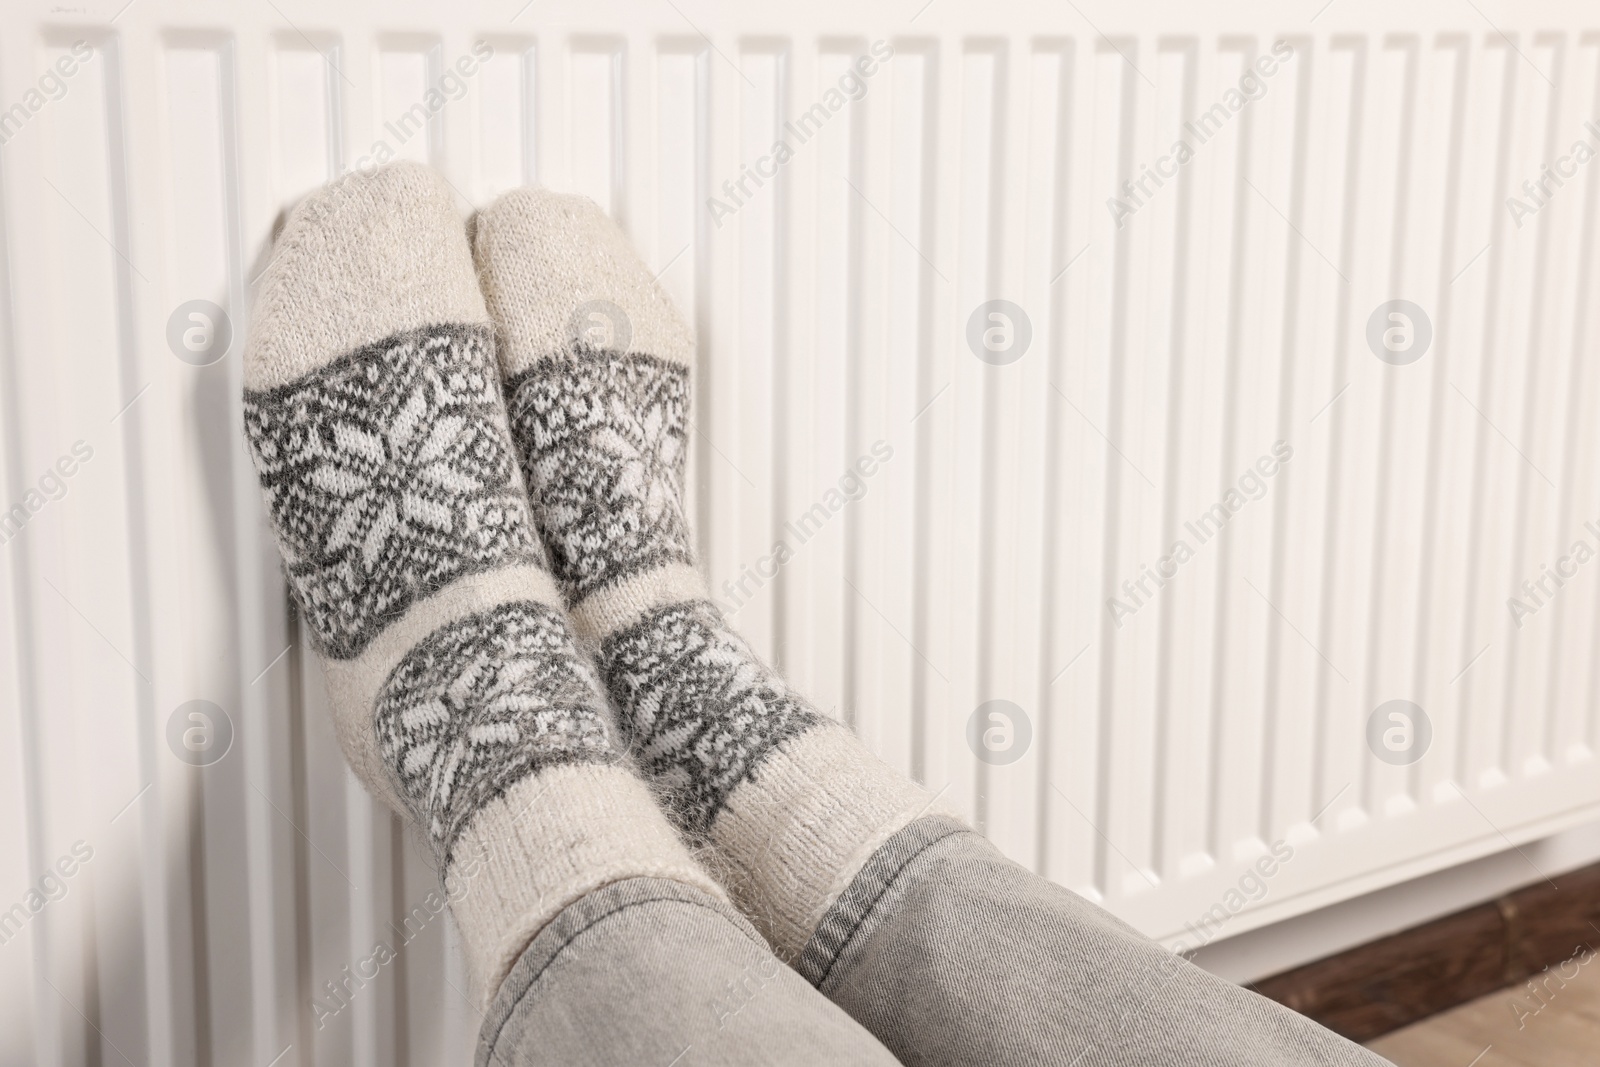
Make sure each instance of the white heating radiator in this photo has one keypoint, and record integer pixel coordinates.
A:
(1217, 712)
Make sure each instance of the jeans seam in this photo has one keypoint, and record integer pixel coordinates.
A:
(877, 898)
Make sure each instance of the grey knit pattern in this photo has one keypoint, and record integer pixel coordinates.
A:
(479, 705)
(603, 439)
(388, 475)
(696, 707)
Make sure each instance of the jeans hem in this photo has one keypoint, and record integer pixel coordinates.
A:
(857, 903)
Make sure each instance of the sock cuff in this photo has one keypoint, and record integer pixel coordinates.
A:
(551, 839)
(797, 831)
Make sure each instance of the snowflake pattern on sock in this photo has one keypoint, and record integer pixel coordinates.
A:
(697, 708)
(480, 704)
(389, 474)
(603, 439)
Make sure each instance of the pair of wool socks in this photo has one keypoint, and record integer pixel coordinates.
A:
(459, 568)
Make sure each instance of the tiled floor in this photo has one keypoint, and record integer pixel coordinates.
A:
(1508, 1028)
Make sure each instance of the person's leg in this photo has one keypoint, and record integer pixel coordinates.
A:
(952, 954)
(963, 957)
(373, 413)
(596, 362)
(649, 971)
(375, 419)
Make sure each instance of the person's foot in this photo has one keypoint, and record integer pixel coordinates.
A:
(596, 362)
(374, 415)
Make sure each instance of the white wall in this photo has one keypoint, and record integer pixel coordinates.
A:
(1170, 748)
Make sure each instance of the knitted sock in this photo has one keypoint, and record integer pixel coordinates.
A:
(597, 363)
(374, 415)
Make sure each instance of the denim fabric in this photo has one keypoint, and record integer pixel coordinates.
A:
(951, 954)
(941, 949)
(653, 973)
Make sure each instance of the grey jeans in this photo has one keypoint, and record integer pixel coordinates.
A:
(941, 951)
